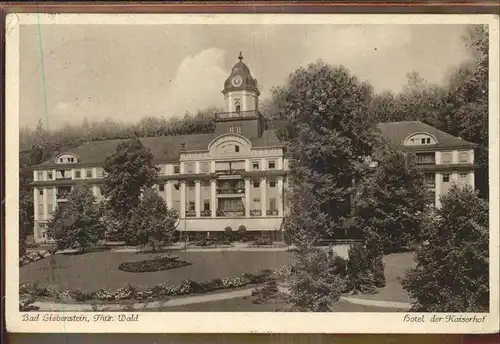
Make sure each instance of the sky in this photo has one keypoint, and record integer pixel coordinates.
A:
(127, 72)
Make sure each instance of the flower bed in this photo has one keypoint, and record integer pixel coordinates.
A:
(156, 264)
(160, 291)
(33, 257)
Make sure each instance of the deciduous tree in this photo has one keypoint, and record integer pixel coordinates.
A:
(77, 224)
(452, 267)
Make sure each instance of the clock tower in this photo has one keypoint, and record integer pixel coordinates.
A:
(241, 94)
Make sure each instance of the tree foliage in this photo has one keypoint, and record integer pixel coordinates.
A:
(331, 133)
(78, 223)
(452, 267)
(390, 200)
(316, 284)
(152, 222)
(128, 173)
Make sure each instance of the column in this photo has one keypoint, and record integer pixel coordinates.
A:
(247, 197)
(263, 196)
(36, 229)
(279, 201)
(454, 157)
(94, 172)
(168, 191)
(54, 174)
(182, 167)
(94, 191)
(437, 191)
(247, 165)
(212, 166)
(54, 198)
(279, 163)
(472, 181)
(263, 165)
(197, 197)
(213, 197)
(45, 204)
(183, 199)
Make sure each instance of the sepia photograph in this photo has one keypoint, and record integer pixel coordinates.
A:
(189, 169)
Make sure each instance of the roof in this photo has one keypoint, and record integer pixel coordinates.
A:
(164, 148)
(397, 132)
(248, 81)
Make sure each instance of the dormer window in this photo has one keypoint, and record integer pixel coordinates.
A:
(66, 159)
(237, 148)
(420, 139)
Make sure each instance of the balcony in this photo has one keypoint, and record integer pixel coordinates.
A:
(272, 212)
(230, 171)
(190, 213)
(229, 213)
(236, 114)
(206, 213)
(255, 213)
(228, 191)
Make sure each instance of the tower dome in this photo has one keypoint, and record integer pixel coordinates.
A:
(240, 78)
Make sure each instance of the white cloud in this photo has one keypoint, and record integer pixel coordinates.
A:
(198, 82)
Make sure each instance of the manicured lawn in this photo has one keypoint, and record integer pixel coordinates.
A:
(395, 266)
(93, 271)
(245, 305)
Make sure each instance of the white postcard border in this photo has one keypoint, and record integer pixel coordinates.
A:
(236, 322)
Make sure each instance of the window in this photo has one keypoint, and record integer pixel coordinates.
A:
(271, 164)
(463, 176)
(463, 157)
(100, 173)
(237, 148)
(206, 205)
(40, 175)
(204, 167)
(162, 169)
(238, 108)
(425, 158)
(272, 184)
(238, 129)
(430, 179)
(272, 203)
(78, 174)
(88, 173)
(422, 141)
(446, 177)
(255, 165)
(176, 205)
(446, 157)
(428, 140)
(256, 204)
(256, 184)
(41, 192)
(50, 176)
(231, 129)
(190, 167)
(190, 184)
(176, 186)
(177, 169)
(161, 187)
(205, 184)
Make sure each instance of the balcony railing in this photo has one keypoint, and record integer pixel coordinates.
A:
(255, 213)
(226, 191)
(271, 212)
(190, 213)
(227, 213)
(63, 178)
(237, 114)
(230, 171)
(206, 213)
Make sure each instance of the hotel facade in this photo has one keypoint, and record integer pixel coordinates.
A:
(236, 175)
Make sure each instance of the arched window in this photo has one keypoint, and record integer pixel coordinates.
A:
(238, 108)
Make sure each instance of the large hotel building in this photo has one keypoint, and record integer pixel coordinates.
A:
(236, 175)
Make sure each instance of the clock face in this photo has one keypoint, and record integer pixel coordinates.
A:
(237, 81)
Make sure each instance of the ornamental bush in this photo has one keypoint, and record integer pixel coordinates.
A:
(228, 234)
(452, 272)
(242, 230)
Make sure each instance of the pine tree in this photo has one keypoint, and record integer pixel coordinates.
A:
(78, 223)
(128, 173)
(452, 266)
(152, 221)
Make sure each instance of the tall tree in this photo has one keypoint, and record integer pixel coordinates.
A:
(390, 199)
(152, 221)
(452, 268)
(128, 172)
(328, 109)
(78, 223)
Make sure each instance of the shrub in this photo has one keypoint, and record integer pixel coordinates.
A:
(452, 272)
(228, 233)
(242, 230)
(360, 271)
(315, 284)
(262, 242)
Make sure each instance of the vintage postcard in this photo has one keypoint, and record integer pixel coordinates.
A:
(266, 173)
